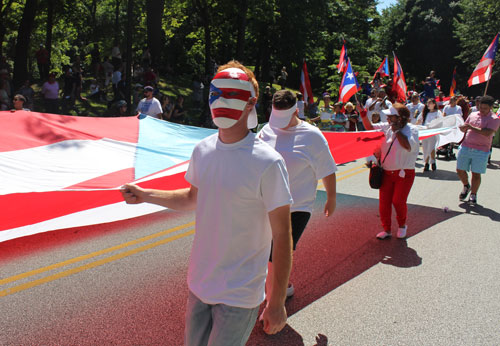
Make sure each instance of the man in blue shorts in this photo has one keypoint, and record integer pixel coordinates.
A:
(479, 128)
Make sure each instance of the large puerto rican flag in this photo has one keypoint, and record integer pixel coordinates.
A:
(349, 85)
(305, 85)
(63, 171)
(482, 72)
(59, 172)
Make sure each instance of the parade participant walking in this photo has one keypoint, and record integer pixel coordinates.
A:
(428, 115)
(150, 105)
(399, 153)
(308, 159)
(479, 128)
(415, 107)
(239, 187)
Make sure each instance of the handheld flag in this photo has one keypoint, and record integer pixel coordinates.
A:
(383, 69)
(305, 85)
(482, 72)
(399, 83)
(349, 85)
(341, 67)
(453, 86)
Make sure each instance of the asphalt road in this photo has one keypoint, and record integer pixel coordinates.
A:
(124, 283)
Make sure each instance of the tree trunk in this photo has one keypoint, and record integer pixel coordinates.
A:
(242, 25)
(3, 18)
(130, 30)
(23, 41)
(156, 36)
(117, 21)
(50, 25)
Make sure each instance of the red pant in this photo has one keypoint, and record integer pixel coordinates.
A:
(395, 191)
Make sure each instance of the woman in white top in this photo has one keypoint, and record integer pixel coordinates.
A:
(428, 118)
(399, 153)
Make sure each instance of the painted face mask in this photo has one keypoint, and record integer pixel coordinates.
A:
(229, 93)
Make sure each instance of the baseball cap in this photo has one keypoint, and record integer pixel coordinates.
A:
(121, 103)
(390, 111)
(280, 118)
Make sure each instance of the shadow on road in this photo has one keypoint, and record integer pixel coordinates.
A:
(336, 250)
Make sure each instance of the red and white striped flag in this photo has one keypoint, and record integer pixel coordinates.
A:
(399, 82)
(341, 67)
(305, 85)
(482, 72)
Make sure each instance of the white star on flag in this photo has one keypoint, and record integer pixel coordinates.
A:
(349, 76)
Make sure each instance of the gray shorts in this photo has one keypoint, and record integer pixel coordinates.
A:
(217, 325)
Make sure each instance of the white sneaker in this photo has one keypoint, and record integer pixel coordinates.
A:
(290, 290)
(383, 235)
(402, 232)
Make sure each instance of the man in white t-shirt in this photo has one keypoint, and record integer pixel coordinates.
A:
(239, 187)
(150, 105)
(380, 104)
(452, 107)
(308, 159)
(415, 107)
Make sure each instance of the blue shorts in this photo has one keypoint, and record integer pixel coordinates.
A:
(474, 160)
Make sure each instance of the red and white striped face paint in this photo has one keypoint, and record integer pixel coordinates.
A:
(229, 93)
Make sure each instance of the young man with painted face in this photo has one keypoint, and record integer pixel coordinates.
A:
(308, 159)
(239, 187)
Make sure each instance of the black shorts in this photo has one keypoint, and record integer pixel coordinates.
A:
(299, 220)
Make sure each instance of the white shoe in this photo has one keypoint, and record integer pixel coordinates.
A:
(290, 290)
(383, 235)
(402, 232)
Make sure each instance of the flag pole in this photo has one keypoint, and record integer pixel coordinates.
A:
(487, 84)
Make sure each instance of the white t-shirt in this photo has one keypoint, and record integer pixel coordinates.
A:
(116, 77)
(415, 111)
(238, 185)
(399, 157)
(300, 107)
(150, 107)
(431, 116)
(307, 159)
(449, 110)
(368, 103)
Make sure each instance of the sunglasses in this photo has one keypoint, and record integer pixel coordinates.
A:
(17, 100)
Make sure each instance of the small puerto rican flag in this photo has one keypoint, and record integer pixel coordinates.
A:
(349, 85)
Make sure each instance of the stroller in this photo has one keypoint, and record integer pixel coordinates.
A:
(446, 151)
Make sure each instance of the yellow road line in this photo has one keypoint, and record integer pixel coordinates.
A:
(355, 173)
(93, 254)
(91, 265)
(349, 170)
(358, 169)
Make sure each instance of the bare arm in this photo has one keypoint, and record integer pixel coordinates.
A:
(403, 140)
(330, 183)
(274, 315)
(485, 132)
(182, 199)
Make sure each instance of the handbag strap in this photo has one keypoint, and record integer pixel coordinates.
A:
(388, 152)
